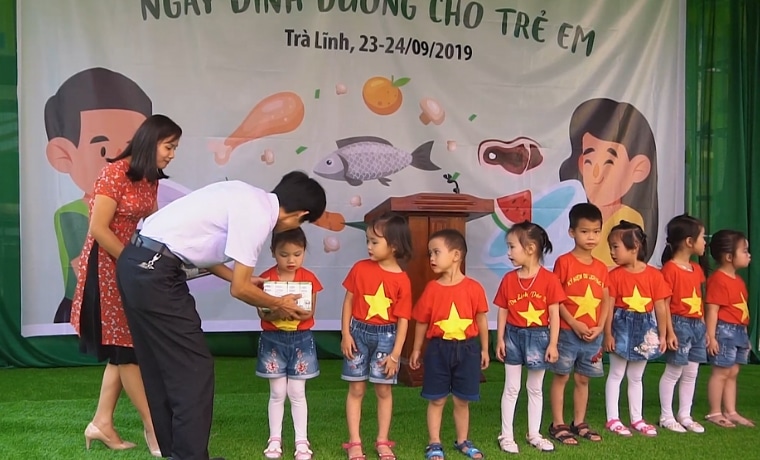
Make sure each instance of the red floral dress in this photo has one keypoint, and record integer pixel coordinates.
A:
(134, 201)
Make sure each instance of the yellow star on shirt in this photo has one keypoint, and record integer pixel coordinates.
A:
(453, 327)
(695, 302)
(586, 304)
(532, 316)
(743, 307)
(286, 324)
(636, 302)
(378, 303)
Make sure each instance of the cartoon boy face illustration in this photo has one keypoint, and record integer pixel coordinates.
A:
(91, 117)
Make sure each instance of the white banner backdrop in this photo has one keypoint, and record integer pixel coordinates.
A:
(537, 105)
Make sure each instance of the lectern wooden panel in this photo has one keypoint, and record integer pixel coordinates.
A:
(427, 213)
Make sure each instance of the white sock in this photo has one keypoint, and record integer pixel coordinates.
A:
(298, 408)
(512, 382)
(277, 392)
(612, 387)
(635, 373)
(686, 390)
(534, 385)
(667, 387)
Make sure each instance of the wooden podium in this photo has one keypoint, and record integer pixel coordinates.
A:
(427, 213)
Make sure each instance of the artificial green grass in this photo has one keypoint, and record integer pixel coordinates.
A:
(43, 413)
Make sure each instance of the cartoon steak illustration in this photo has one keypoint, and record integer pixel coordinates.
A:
(360, 159)
(516, 156)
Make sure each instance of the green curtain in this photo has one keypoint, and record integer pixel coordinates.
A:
(722, 127)
(723, 124)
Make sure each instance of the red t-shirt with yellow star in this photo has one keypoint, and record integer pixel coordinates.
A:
(302, 275)
(527, 300)
(637, 291)
(380, 297)
(584, 287)
(730, 294)
(687, 289)
(449, 311)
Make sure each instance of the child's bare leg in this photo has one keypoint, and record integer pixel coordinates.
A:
(434, 418)
(729, 398)
(715, 387)
(354, 399)
(558, 398)
(384, 414)
(461, 419)
(580, 398)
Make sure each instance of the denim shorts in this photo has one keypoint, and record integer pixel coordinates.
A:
(289, 354)
(690, 333)
(452, 366)
(733, 343)
(526, 346)
(576, 354)
(636, 335)
(373, 344)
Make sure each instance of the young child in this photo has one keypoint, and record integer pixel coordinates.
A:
(451, 313)
(527, 329)
(727, 318)
(686, 325)
(287, 354)
(632, 335)
(582, 318)
(376, 313)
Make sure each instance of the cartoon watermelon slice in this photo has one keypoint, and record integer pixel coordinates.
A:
(513, 209)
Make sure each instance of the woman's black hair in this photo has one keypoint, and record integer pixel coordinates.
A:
(395, 229)
(632, 236)
(528, 232)
(143, 148)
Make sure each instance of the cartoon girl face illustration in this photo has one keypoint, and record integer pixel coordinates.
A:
(615, 158)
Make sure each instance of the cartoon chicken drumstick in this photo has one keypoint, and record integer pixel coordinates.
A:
(276, 114)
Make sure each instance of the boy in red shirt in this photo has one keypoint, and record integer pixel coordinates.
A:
(582, 317)
(451, 313)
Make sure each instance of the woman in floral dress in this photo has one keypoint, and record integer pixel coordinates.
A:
(125, 192)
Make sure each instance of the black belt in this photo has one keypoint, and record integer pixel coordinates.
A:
(152, 245)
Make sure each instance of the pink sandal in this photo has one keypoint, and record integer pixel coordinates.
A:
(303, 450)
(617, 427)
(275, 451)
(390, 445)
(644, 428)
(349, 445)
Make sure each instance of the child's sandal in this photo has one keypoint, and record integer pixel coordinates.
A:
(468, 449)
(390, 445)
(434, 451)
(644, 428)
(303, 450)
(562, 434)
(584, 431)
(617, 427)
(349, 445)
(540, 443)
(274, 448)
(720, 420)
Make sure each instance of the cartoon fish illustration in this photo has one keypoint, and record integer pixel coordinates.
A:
(366, 158)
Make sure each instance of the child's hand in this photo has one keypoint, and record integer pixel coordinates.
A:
(414, 360)
(484, 359)
(501, 350)
(581, 330)
(593, 333)
(609, 343)
(552, 355)
(663, 343)
(713, 348)
(390, 363)
(348, 346)
(672, 341)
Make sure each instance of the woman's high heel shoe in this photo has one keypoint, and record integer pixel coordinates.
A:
(93, 433)
(154, 451)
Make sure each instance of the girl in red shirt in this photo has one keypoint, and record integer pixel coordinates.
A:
(686, 325)
(727, 318)
(632, 334)
(376, 313)
(287, 354)
(527, 329)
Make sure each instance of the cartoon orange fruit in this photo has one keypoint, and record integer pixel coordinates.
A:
(383, 96)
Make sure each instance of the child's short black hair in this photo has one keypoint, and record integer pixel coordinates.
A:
(91, 89)
(395, 229)
(632, 236)
(725, 243)
(453, 239)
(586, 211)
(295, 236)
(299, 192)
